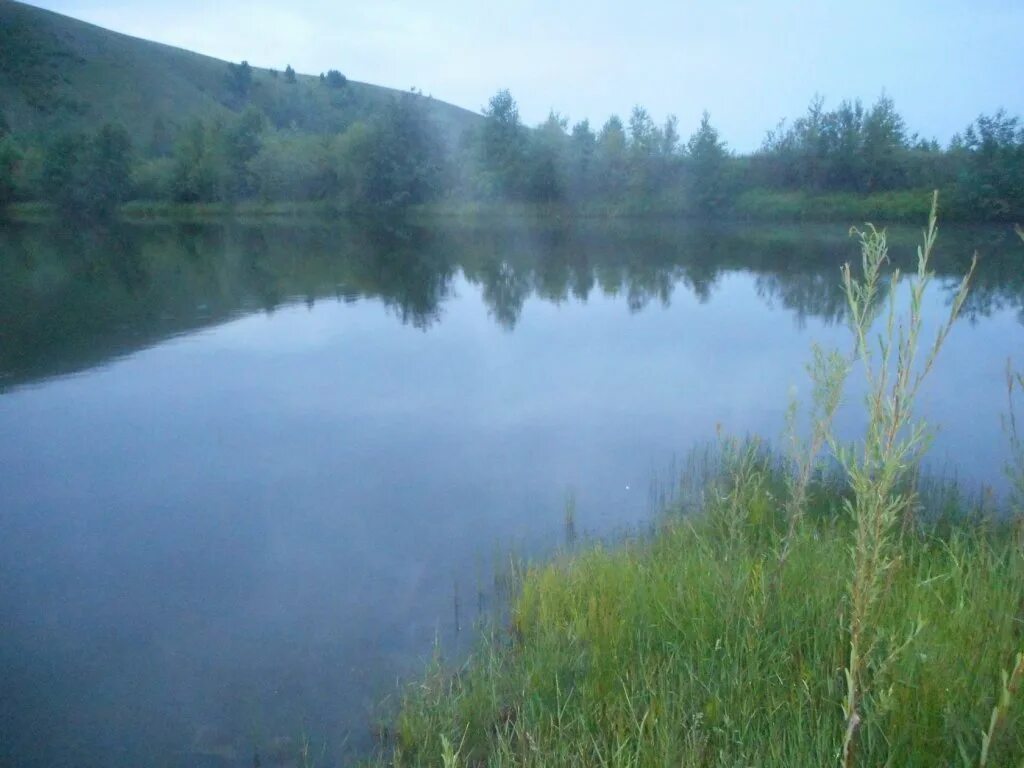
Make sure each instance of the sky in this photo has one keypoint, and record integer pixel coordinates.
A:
(749, 64)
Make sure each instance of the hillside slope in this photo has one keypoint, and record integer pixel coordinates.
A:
(58, 74)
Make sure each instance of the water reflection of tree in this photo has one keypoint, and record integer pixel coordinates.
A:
(505, 290)
(806, 294)
(998, 284)
(407, 269)
(71, 298)
(510, 267)
(45, 278)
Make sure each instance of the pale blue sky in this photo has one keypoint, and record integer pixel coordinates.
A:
(748, 63)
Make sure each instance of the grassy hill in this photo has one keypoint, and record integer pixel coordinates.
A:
(58, 74)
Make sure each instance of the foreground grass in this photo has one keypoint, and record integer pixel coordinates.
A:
(694, 648)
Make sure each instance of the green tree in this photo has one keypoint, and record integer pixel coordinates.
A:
(582, 145)
(988, 159)
(289, 74)
(885, 143)
(63, 175)
(242, 142)
(335, 79)
(352, 157)
(610, 159)
(545, 160)
(9, 160)
(152, 178)
(644, 136)
(406, 157)
(86, 176)
(813, 141)
(198, 165)
(646, 144)
(845, 149)
(109, 169)
(160, 140)
(502, 147)
(800, 155)
(845, 127)
(706, 161)
(240, 81)
(292, 166)
(670, 136)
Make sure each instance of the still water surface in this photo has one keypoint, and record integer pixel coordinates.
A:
(247, 472)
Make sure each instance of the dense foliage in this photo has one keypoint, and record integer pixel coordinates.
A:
(91, 174)
(272, 149)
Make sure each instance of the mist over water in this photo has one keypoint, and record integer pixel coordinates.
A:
(244, 470)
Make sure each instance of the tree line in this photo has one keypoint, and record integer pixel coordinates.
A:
(397, 158)
(640, 166)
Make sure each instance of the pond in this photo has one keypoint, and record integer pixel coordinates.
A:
(251, 474)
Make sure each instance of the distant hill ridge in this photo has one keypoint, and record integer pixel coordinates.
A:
(58, 75)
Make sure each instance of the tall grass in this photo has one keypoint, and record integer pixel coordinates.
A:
(828, 372)
(893, 444)
(1015, 466)
(803, 618)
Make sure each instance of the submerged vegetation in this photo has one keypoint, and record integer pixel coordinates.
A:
(813, 610)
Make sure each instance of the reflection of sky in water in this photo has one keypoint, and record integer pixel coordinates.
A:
(256, 527)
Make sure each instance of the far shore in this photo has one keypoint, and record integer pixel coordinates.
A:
(752, 206)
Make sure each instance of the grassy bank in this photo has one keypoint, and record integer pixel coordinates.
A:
(147, 210)
(249, 209)
(753, 205)
(694, 648)
(807, 610)
(141, 210)
(773, 205)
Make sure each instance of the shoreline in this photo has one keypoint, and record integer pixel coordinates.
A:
(754, 206)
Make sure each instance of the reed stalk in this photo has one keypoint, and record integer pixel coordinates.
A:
(891, 449)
